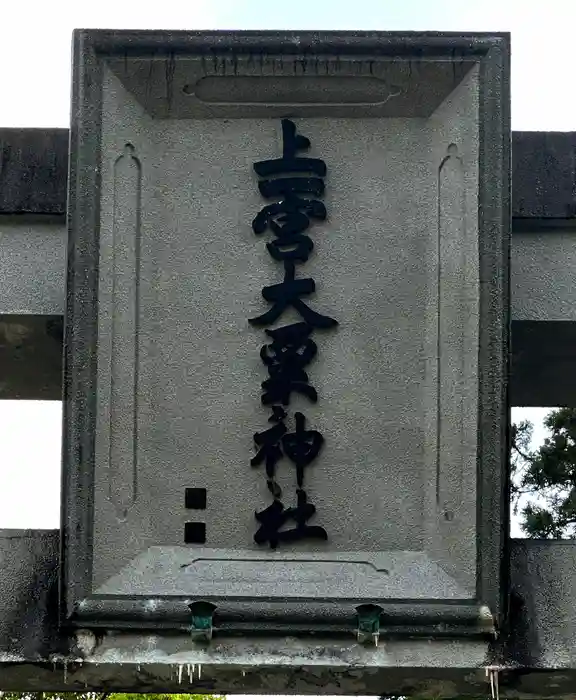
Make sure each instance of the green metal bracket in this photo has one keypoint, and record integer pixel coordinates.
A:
(202, 620)
(368, 630)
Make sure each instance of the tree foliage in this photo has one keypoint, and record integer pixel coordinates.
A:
(544, 479)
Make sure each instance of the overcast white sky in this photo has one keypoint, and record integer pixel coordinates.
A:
(35, 88)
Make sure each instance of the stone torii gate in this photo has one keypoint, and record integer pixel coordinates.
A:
(538, 658)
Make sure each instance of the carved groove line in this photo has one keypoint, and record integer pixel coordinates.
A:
(124, 316)
(450, 322)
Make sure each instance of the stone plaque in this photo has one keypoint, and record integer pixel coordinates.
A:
(287, 330)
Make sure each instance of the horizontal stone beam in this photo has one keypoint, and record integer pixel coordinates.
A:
(33, 175)
(542, 368)
(538, 659)
(33, 247)
(33, 171)
(543, 363)
(543, 179)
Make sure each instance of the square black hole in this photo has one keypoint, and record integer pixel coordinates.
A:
(195, 498)
(195, 533)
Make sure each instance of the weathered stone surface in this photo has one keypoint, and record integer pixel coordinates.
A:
(543, 178)
(543, 363)
(536, 661)
(31, 357)
(163, 366)
(32, 265)
(33, 172)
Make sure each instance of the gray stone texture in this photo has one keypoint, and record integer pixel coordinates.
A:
(535, 661)
(162, 157)
(33, 165)
(543, 363)
(32, 265)
(33, 175)
(543, 286)
(544, 177)
(200, 272)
